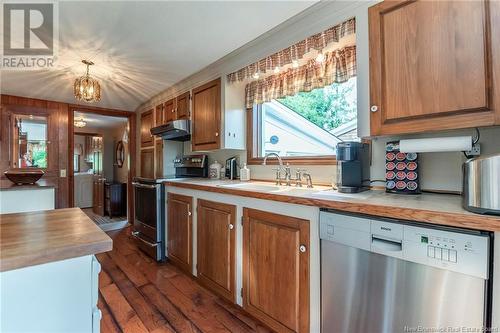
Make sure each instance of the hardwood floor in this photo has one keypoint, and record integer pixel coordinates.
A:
(137, 295)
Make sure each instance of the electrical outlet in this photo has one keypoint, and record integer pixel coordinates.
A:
(475, 151)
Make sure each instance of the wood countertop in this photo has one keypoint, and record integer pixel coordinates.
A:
(28, 239)
(441, 209)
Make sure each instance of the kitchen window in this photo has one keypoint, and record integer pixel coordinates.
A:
(306, 127)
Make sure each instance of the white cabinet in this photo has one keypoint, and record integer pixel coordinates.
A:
(27, 199)
(234, 116)
(59, 296)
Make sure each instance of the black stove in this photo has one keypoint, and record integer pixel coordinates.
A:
(149, 203)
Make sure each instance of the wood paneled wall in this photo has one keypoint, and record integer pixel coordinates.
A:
(59, 116)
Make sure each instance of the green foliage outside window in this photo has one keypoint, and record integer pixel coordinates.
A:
(327, 107)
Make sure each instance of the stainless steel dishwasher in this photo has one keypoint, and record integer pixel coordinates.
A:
(385, 276)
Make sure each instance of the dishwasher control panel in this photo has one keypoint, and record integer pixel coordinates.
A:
(456, 251)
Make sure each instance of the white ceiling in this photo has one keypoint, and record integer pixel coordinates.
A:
(141, 48)
(97, 121)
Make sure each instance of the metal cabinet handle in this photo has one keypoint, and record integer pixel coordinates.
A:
(189, 213)
(302, 248)
(231, 226)
(216, 133)
(374, 108)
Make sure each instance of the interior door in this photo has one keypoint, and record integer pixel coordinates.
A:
(216, 247)
(179, 231)
(276, 270)
(206, 116)
(98, 195)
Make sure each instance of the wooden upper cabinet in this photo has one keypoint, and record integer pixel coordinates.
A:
(183, 106)
(276, 270)
(206, 109)
(216, 247)
(431, 66)
(159, 115)
(169, 110)
(146, 124)
(147, 163)
(179, 231)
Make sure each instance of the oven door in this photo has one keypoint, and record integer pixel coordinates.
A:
(147, 220)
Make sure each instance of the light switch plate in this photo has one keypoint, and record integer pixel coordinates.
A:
(62, 173)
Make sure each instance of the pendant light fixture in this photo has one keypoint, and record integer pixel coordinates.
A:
(87, 88)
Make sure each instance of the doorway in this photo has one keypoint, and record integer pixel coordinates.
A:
(102, 164)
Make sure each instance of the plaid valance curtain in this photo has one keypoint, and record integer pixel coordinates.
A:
(338, 66)
(296, 52)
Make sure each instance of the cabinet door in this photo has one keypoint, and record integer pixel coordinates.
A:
(430, 66)
(146, 124)
(183, 106)
(169, 110)
(159, 115)
(276, 270)
(179, 234)
(147, 163)
(216, 246)
(206, 116)
(159, 158)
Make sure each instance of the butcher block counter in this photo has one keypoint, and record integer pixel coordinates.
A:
(442, 209)
(48, 271)
(34, 238)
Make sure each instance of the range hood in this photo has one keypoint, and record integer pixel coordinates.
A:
(177, 130)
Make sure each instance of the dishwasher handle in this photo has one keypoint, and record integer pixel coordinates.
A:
(384, 244)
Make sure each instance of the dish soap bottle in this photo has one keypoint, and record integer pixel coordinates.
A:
(245, 173)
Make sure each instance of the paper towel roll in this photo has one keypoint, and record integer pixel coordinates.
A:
(454, 143)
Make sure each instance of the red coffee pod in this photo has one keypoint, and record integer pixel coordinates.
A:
(401, 166)
(412, 175)
(411, 166)
(390, 166)
(401, 185)
(390, 156)
(412, 186)
(401, 175)
(390, 175)
(390, 185)
(400, 156)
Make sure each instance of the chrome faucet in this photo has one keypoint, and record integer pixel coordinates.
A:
(280, 161)
(278, 170)
(299, 173)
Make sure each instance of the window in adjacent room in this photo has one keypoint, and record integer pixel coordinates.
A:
(30, 141)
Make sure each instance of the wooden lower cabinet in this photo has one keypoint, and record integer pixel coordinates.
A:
(179, 231)
(276, 270)
(216, 247)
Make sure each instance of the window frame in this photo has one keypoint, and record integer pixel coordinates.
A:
(253, 134)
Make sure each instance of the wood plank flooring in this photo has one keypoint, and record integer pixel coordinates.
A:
(137, 295)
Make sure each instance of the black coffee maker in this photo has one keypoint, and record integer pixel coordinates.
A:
(353, 167)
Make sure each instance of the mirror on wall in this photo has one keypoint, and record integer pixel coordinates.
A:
(29, 141)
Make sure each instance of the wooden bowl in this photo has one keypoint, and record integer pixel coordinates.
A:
(24, 176)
